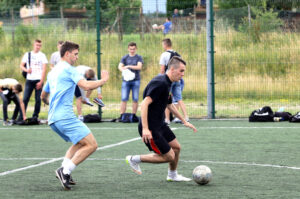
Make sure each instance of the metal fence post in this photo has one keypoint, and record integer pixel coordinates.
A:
(210, 60)
(98, 47)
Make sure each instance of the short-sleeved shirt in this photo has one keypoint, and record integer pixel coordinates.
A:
(134, 60)
(165, 58)
(159, 91)
(36, 64)
(168, 27)
(55, 58)
(6, 86)
(61, 83)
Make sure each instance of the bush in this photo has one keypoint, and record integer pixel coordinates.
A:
(24, 35)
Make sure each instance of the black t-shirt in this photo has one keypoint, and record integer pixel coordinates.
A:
(159, 91)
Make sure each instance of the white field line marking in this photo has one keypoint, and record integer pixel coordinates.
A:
(185, 161)
(58, 159)
(212, 127)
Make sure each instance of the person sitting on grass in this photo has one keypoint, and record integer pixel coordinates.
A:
(10, 90)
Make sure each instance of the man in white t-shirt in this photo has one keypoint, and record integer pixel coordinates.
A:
(177, 87)
(34, 63)
(55, 57)
(87, 73)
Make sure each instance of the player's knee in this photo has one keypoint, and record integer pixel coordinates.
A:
(177, 148)
(94, 146)
(170, 156)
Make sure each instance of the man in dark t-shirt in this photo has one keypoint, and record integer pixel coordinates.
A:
(130, 66)
(155, 133)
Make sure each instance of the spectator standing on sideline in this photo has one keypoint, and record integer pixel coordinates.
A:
(130, 66)
(55, 57)
(9, 91)
(175, 20)
(177, 87)
(166, 27)
(36, 72)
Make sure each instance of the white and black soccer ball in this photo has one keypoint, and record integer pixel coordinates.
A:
(154, 26)
(202, 175)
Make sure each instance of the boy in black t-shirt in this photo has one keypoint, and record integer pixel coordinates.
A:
(154, 131)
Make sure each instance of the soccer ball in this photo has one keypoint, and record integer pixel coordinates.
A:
(202, 175)
(154, 26)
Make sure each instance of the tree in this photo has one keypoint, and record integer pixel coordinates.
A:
(180, 5)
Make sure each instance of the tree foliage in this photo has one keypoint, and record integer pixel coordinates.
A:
(180, 5)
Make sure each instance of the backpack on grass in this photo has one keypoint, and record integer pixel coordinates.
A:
(295, 118)
(92, 118)
(264, 114)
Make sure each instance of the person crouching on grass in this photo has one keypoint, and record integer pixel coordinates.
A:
(61, 83)
(155, 133)
(10, 90)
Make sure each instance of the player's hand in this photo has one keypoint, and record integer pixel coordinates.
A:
(189, 125)
(29, 70)
(104, 75)
(147, 136)
(99, 96)
(24, 117)
(39, 85)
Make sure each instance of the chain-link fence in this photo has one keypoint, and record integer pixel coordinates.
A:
(256, 58)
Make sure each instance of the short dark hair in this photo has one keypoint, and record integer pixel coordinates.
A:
(91, 73)
(169, 19)
(68, 46)
(175, 62)
(60, 42)
(19, 88)
(168, 42)
(132, 44)
(38, 41)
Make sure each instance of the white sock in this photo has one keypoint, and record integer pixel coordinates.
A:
(171, 173)
(65, 161)
(136, 158)
(69, 167)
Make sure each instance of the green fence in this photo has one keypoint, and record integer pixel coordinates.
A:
(256, 60)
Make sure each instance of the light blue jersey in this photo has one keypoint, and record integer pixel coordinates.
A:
(61, 83)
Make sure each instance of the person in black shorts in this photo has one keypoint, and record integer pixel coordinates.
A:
(155, 133)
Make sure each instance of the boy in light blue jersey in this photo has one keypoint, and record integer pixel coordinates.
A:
(61, 83)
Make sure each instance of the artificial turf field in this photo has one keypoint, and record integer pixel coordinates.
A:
(248, 160)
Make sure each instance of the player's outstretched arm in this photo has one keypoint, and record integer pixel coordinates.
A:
(147, 135)
(90, 85)
(174, 110)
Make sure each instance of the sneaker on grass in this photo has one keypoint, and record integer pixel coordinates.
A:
(134, 166)
(178, 178)
(64, 179)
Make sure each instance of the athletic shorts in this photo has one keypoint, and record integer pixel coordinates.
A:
(77, 92)
(71, 130)
(161, 138)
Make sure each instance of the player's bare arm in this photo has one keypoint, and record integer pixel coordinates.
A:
(44, 97)
(147, 135)
(174, 110)
(162, 69)
(121, 67)
(89, 85)
(137, 67)
(40, 84)
(22, 108)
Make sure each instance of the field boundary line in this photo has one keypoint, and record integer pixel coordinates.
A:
(60, 158)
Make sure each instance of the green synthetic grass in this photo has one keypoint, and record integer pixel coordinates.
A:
(108, 176)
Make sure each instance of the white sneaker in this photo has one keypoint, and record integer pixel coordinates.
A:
(176, 120)
(178, 178)
(134, 166)
(80, 117)
(167, 122)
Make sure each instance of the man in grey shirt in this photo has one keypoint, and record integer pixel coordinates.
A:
(55, 57)
(177, 87)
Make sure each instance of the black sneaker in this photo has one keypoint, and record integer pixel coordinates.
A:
(71, 181)
(64, 179)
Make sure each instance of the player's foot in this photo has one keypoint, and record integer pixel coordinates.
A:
(99, 102)
(134, 166)
(167, 122)
(177, 120)
(64, 179)
(178, 178)
(7, 123)
(80, 117)
(89, 103)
